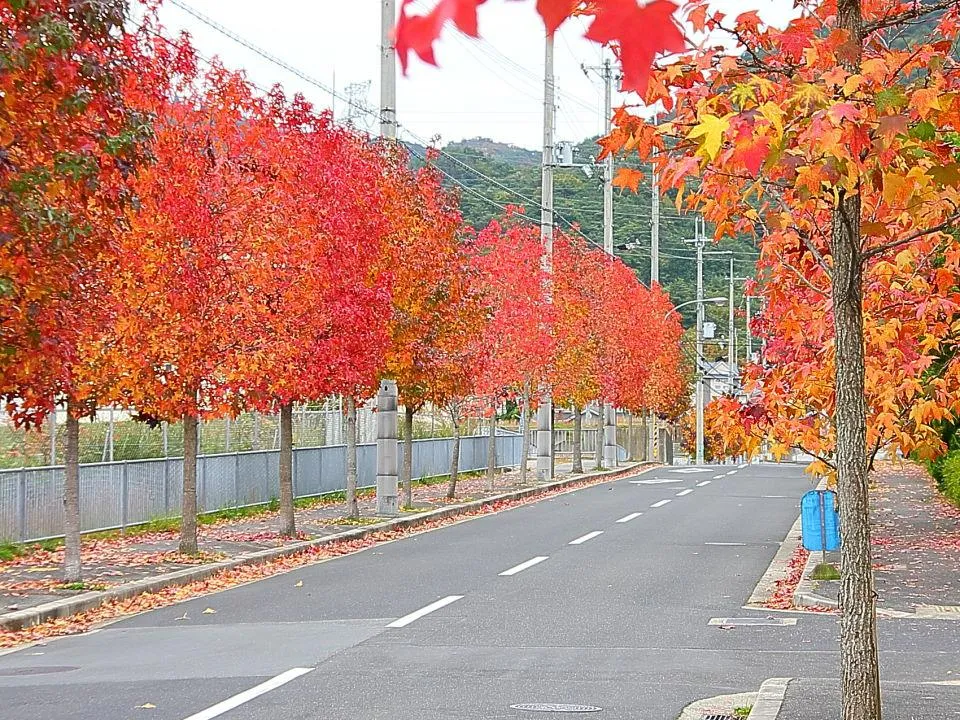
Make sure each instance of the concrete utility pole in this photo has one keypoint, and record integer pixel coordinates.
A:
(731, 332)
(699, 240)
(653, 432)
(609, 411)
(749, 335)
(387, 395)
(545, 409)
(388, 71)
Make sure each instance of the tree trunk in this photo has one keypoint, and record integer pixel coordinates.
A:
(71, 501)
(406, 469)
(353, 509)
(188, 522)
(859, 657)
(860, 674)
(454, 456)
(492, 445)
(577, 440)
(524, 432)
(287, 519)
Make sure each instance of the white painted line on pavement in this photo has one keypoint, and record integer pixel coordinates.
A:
(753, 621)
(719, 477)
(726, 544)
(684, 492)
(660, 504)
(655, 481)
(248, 695)
(407, 619)
(732, 472)
(524, 565)
(704, 483)
(687, 471)
(742, 466)
(628, 518)
(583, 538)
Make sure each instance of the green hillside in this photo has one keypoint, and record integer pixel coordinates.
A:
(489, 174)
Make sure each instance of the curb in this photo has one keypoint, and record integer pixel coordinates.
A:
(765, 588)
(20, 619)
(769, 699)
(804, 595)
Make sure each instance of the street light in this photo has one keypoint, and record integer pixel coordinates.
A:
(705, 301)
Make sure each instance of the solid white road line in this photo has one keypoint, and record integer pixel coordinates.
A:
(719, 477)
(583, 538)
(732, 472)
(704, 483)
(660, 504)
(743, 466)
(726, 544)
(407, 619)
(524, 565)
(628, 518)
(684, 492)
(248, 695)
(655, 481)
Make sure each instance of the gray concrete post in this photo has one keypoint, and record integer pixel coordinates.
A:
(609, 436)
(387, 448)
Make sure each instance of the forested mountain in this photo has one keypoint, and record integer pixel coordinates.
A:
(489, 175)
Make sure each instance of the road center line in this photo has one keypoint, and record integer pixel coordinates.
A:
(742, 466)
(628, 518)
(732, 472)
(407, 619)
(583, 538)
(704, 483)
(660, 504)
(719, 477)
(524, 565)
(248, 695)
(684, 492)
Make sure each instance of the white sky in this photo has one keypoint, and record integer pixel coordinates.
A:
(489, 88)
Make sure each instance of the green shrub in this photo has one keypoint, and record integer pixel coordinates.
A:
(950, 476)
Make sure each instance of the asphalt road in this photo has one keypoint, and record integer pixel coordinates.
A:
(596, 612)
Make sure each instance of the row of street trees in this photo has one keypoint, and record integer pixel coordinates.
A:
(834, 140)
(178, 243)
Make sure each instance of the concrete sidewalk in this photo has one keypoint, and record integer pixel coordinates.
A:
(819, 699)
(915, 535)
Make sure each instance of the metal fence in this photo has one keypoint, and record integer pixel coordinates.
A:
(118, 494)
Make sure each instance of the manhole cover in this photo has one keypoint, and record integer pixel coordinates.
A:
(39, 670)
(556, 707)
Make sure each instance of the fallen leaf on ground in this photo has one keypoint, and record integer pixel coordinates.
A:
(146, 706)
(209, 611)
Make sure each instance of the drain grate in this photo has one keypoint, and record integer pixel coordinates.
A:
(719, 717)
(556, 707)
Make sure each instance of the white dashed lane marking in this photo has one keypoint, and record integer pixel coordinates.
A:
(660, 504)
(704, 483)
(583, 538)
(407, 619)
(628, 518)
(684, 492)
(524, 565)
(247, 695)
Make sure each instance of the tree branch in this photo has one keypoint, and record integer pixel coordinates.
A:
(947, 224)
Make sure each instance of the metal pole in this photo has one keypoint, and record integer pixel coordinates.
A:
(387, 448)
(731, 334)
(110, 449)
(699, 346)
(749, 335)
(388, 71)
(823, 525)
(545, 409)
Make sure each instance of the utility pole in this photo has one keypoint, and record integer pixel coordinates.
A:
(387, 475)
(749, 335)
(388, 71)
(545, 409)
(699, 241)
(609, 410)
(731, 333)
(654, 221)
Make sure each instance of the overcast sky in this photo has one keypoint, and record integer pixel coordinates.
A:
(489, 88)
